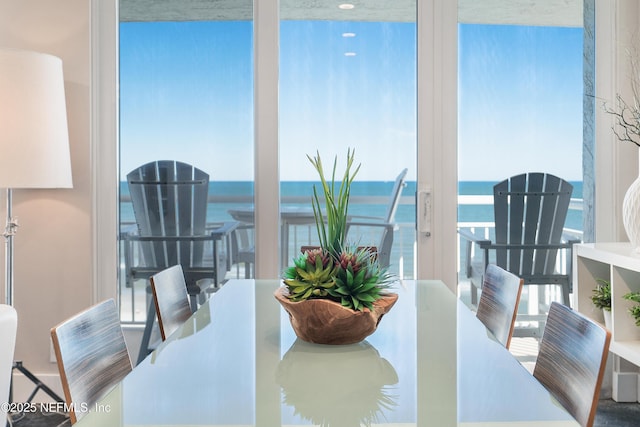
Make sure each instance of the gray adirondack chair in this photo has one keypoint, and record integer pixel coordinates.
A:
(386, 225)
(529, 211)
(170, 206)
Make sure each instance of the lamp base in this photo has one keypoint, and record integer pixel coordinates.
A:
(17, 365)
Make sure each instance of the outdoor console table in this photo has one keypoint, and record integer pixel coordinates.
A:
(288, 217)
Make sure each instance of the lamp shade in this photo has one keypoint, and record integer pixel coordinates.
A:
(34, 139)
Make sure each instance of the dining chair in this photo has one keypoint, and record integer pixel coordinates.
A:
(8, 328)
(571, 361)
(170, 200)
(171, 299)
(498, 305)
(92, 355)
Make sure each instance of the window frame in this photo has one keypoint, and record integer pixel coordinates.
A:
(436, 161)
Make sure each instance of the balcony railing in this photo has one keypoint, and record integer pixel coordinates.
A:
(403, 256)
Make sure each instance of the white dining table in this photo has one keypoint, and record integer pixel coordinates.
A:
(237, 362)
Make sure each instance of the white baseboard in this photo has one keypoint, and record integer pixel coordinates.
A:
(23, 387)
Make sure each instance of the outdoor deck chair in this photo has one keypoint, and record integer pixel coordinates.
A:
(170, 206)
(386, 225)
(380, 237)
(529, 238)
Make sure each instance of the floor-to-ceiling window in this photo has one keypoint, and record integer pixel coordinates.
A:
(186, 94)
(366, 69)
(520, 82)
(520, 108)
(348, 81)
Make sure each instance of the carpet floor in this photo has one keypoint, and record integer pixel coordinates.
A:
(39, 419)
(611, 413)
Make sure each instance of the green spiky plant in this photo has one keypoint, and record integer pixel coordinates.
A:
(333, 233)
(337, 271)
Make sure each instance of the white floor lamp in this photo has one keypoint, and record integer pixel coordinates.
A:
(34, 142)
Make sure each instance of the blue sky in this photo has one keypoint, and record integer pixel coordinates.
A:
(186, 94)
(520, 100)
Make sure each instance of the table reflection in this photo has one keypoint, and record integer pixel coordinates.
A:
(336, 385)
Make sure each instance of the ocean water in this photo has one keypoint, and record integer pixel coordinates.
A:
(404, 238)
(405, 213)
(473, 213)
(299, 189)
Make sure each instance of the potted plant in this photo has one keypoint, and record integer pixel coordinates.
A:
(601, 299)
(635, 309)
(335, 293)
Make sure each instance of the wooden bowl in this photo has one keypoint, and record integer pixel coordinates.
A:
(323, 321)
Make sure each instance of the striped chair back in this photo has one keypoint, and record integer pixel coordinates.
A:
(530, 211)
(170, 199)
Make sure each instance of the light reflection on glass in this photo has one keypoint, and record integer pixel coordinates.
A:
(336, 385)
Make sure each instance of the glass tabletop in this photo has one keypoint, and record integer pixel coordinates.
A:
(237, 362)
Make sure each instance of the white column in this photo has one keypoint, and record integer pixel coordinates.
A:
(437, 137)
(267, 176)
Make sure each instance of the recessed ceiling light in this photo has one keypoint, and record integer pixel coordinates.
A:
(349, 54)
(348, 34)
(346, 6)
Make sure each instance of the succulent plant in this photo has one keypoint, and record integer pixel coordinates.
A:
(336, 271)
(312, 275)
(359, 280)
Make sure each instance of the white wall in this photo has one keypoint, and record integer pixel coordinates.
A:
(53, 245)
(616, 162)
